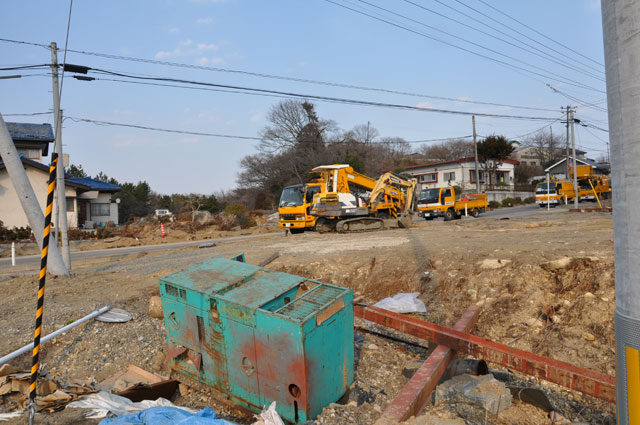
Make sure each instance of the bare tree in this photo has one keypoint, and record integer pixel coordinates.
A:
(547, 147)
(365, 133)
(450, 150)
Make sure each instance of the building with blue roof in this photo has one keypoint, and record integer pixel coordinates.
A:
(90, 202)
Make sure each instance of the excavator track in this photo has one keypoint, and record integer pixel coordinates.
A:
(360, 224)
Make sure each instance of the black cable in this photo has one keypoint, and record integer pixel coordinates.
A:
(566, 81)
(229, 136)
(511, 28)
(279, 77)
(324, 98)
(542, 54)
(538, 32)
(14, 68)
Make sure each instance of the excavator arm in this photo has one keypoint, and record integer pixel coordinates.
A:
(389, 179)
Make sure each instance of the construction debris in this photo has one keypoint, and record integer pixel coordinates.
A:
(403, 303)
(483, 391)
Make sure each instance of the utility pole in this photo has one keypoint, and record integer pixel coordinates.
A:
(60, 193)
(27, 197)
(575, 164)
(567, 145)
(621, 49)
(475, 150)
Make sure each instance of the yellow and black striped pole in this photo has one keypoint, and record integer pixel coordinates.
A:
(43, 273)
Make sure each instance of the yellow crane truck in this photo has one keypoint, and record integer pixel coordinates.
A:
(294, 209)
(353, 202)
(441, 202)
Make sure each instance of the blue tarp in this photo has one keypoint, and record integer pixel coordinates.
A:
(167, 416)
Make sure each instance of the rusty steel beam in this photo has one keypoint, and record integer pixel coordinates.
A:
(413, 396)
(567, 375)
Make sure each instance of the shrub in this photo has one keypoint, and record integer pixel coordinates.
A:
(518, 200)
(247, 222)
(494, 204)
(508, 202)
(530, 200)
(79, 235)
(104, 232)
(17, 233)
(235, 209)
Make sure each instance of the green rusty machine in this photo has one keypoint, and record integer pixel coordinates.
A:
(256, 336)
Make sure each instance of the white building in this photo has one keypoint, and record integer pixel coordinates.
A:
(461, 172)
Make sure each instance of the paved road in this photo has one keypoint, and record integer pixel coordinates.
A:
(5, 263)
(513, 212)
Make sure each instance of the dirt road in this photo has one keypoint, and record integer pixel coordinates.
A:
(545, 283)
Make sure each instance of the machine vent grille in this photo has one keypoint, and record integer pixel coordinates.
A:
(311, 302)
(175, 292)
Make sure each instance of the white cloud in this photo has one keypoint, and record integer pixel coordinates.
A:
(424, 105)
(188, 48)
(204, 21)
(256, 117)
(174, 30)
(203, 47)
(204, 61)
(127, 142)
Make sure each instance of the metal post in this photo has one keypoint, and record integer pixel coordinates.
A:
(27, 197)
(575, 164)
(13, 254)
(622, 48)
(54, 334)
(475, 150)
(548, 198)
(61, 199)
(567, 174)
(35, 360)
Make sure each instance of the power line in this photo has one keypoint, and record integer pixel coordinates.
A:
(323, 98)
(15, 68)
(28, 114)
(512, 29)
(539, 33)
(64, 59)
(577, 100)
(230, 136)
(285, 78)
(510, 65)
(542, 54)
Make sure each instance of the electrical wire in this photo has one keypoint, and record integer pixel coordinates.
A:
(28, 114)
(323, 98)
(542, 53)
(14, 68)
(511, 28)
(510, 65)
(469, 41)
(279, 77)
(539, 33)
(577, 100)
(228, 136)
(66, 43)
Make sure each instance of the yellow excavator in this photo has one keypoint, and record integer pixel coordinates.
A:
(353, 202)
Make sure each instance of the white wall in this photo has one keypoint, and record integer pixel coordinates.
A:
(463, 175)
(104, 198)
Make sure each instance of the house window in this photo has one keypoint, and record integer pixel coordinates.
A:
(533, 163)
(450, 176)
(71, 205)
(429, 178)
(472, 175)
(100, 210)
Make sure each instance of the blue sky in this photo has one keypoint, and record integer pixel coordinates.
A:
(311, 39)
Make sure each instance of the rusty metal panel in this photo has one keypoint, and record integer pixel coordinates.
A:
(413, 396)
(570, 376)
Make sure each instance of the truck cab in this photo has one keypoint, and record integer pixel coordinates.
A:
(554, 193)
(295, 206)
(441, 202)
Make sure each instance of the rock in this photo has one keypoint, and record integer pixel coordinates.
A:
(411, 367)
(155, 307)
(561, 263)
(207, 245)
(203, 217)
(588, 296)
(492, 264)
(588, 336)
(372, 346)
(158, 362)
(484, 391)
(557, 418)
(473, 294)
